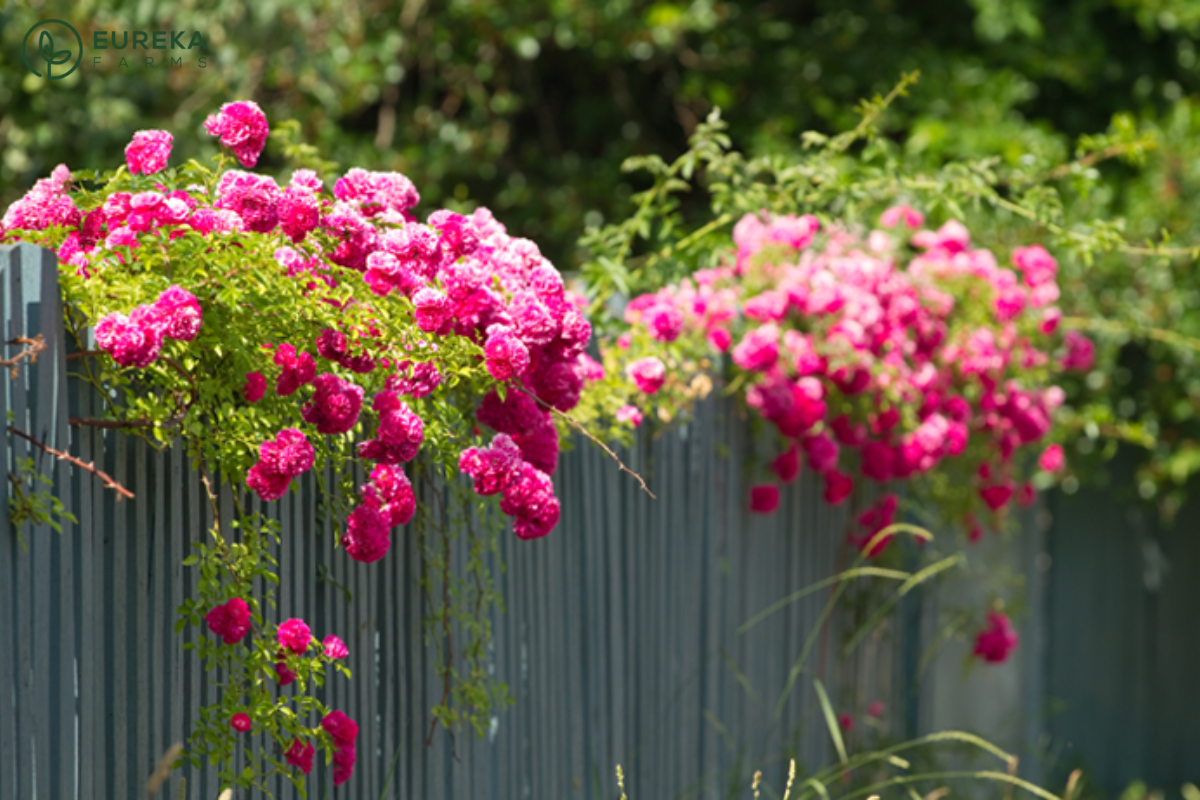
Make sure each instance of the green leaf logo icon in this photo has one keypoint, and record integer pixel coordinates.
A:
(52, 57)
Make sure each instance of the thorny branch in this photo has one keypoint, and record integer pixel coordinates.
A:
(579, 427)
(90, 467)
(32, 347)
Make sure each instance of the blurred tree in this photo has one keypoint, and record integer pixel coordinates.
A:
(531, 106)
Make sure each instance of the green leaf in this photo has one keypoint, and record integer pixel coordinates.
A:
(835, 731)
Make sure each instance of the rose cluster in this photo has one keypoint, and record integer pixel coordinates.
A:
(457, 275)
(876, 356)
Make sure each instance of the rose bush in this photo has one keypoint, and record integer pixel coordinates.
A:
(872, 355)
(314, 331)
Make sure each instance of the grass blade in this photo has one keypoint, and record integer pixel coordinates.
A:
(835, 731)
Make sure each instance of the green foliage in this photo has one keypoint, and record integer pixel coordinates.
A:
(30, 505)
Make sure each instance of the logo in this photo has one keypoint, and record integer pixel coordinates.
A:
(47, 54)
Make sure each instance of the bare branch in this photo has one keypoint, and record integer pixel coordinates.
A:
(32, 348)
(579, 427)
(108, 479)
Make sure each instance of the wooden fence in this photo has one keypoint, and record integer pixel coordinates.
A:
(619, 641)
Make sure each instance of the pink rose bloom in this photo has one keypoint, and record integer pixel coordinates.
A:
(390, 493)
(335, 647)
(180, 313)
(294, 635)
(432, 309)
(242, 127)
(505, 355)
(376, 192)
(875, 709)
(255, 388)
(786, 465)
(230, 621)
(764, 498)
(1038, 266)
(399, 433)
(367, 537)
(758, 350)
(340, 728)
(343, 764)
(300, 754)
(648, 373)
(334, 405)
(822, 452)
(630, 414)
(131, 341)
(493, 468)
(1026, 495)
(846, 722)
(906, 214)
(1081, 353)
(1052, 459)
(665, 322)
(997, 640)
(996, 496)
(288, 456)
(530, 501)
(240, 722)
(299, 369)
(299, 213)
(591, 369)
(838, 486)
(720, 339)
(284, 675)
(148, 152)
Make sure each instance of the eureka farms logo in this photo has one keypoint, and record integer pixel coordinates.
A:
(53, 48)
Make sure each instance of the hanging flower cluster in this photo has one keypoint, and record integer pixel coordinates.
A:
(346, 328)
(880, 357)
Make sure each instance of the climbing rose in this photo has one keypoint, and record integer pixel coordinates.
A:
(391, 494)
(648, 373)
(255, 388)
(996, 496)
(132, 341)
(786, 465)
(846, 722)
(630, 414)
(300, 754)
(399, 433)
(240, 722)
(299, 369)
(875, 709)
(838, 486)
(289, 455)
(1081, 353)
(505, 354)
(286, 676)
(906, 214)
(242, 127)
(666, 322)
(294, 635)
(334, 405)
(299, 213)
(530, 501)
(764, 498)
(433, 309)
(758, 350)
(1051, 459)
(180, 313)
(340, 728)
(343, 764)
(494, 467)
(997, 640)
(230, 621)
(335, 647)
(367, 538)
(148, 152)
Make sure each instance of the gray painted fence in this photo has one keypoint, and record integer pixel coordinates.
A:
(619, 641)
